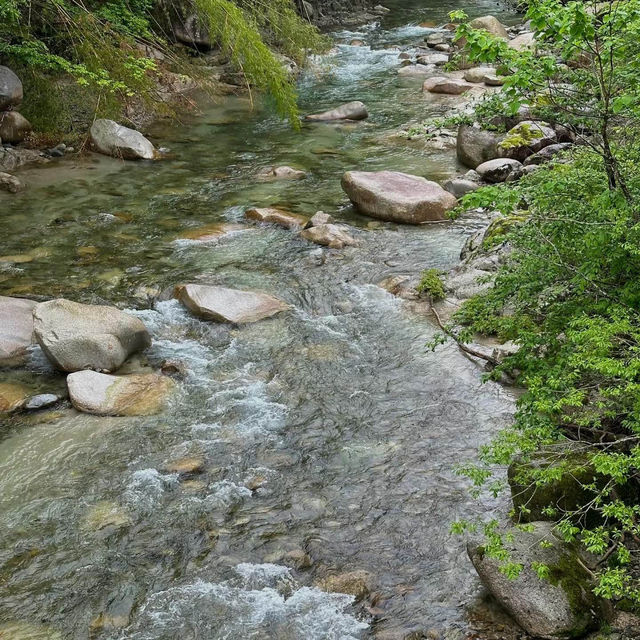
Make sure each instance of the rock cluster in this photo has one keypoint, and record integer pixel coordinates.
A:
(14, 127)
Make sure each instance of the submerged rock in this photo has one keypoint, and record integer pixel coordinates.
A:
(562, 607)
(281, 173)
(354, 583)
(16, 330)
(105, 395)
(10, 89)
(416, 70)
(112, 139)
(276, 216)
(329, 235)
(351, 111)
(10, 183)
(185, 466)
(397, 197)
(78, 336)
(12, 396)
(228, 305)
(14, 127)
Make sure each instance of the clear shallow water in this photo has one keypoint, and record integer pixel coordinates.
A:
(329, 429)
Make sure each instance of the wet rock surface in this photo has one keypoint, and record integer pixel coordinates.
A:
(399, 197)
(16, 330)
(228, 305)
(131, 395)
(78, 336)
(115, 140)
(560, 608)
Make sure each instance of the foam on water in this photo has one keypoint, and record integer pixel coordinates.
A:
(147, 488)
(246, 607)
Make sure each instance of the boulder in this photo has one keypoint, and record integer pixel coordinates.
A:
(112, 139)
(14, 127)
(437, 59)
(434, 39)
(475, 146)
(562, 607)
(281, 173)
(477, 74)
(526, 138)
(493, 80)
(490, 24)
(546, 154)
(276, 216)
(565, 491)
(319, 218)
(499, 170)
(447, 86)
(523, 41)
(228, 305)
(10, 183)
(416, 70)
(329, 235)
(10, 89)
(350, 111)
(460, 186)
(192, 32)
(77, 336)
(131, 395)
(397, 197)
(16, 330)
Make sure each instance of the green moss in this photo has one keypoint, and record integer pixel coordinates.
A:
(431, 283)
(500, 229)
(522, 135)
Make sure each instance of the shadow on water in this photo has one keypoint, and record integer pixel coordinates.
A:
(329, 434)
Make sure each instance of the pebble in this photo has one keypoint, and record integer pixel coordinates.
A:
(41, 401)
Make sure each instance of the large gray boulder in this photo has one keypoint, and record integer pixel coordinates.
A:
(546, 154)
(81, 336)
(475, 146)
(14, 127)
(228, 305)
(499, 170)
(477, 74)
(112, 139)
(351, 111)
(397, 197)
(16, 330)
(105, 395)
(10, 89)
(558, 608)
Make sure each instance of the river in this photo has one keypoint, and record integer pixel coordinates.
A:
(329, 431)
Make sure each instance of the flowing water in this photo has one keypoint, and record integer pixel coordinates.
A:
(329, 430)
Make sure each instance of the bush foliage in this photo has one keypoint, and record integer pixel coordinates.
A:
(569, 293)
(103, 45)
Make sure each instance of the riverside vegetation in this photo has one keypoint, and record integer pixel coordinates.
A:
(80, 60)
(565, 235)
(568, 294)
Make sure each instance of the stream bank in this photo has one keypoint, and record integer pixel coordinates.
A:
(328, 434)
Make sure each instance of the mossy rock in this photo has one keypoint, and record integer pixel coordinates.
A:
(557, 478)
(558, 606)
